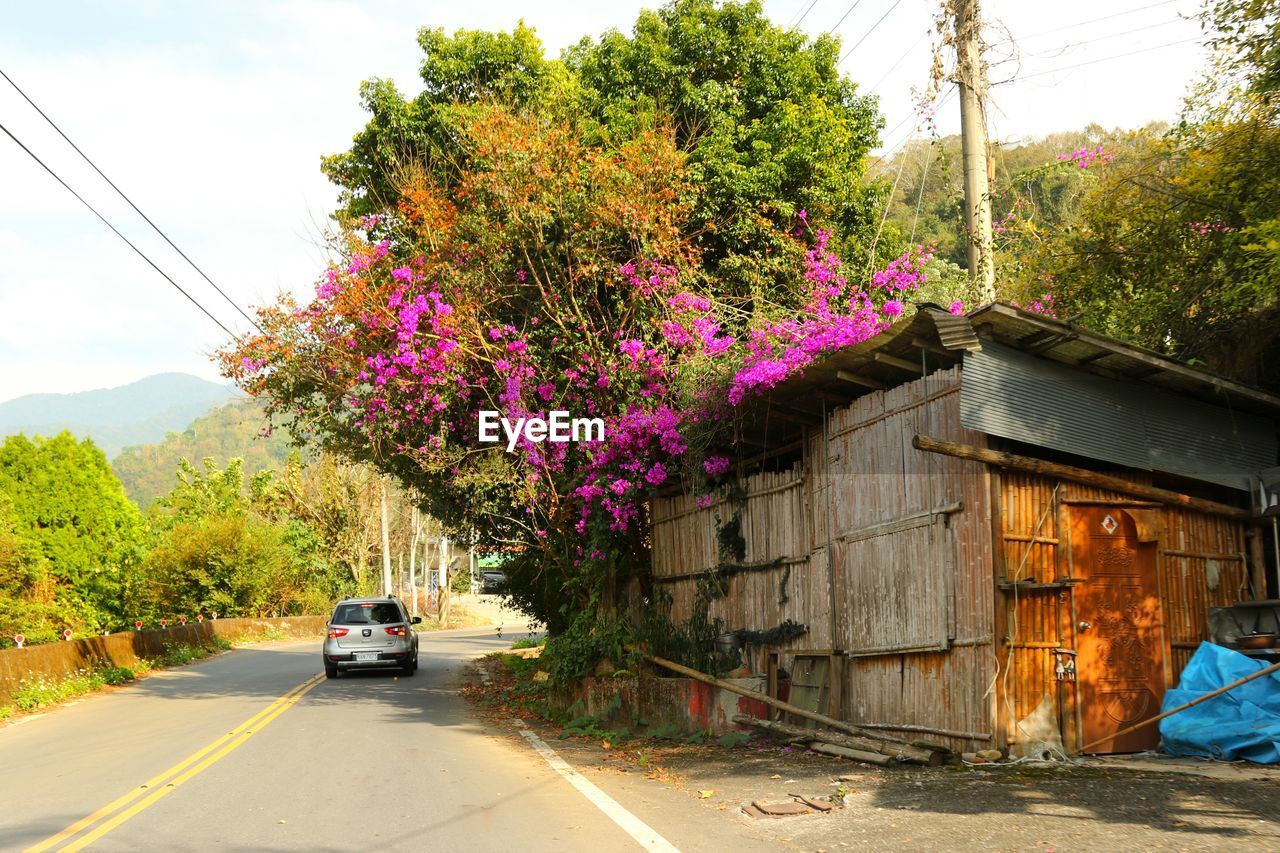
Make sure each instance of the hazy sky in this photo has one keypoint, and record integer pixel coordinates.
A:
(213, 117)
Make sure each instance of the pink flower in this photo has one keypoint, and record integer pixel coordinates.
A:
(716, 465)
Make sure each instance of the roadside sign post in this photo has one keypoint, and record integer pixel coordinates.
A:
(137, 624)
(19, 639)
(66, 634)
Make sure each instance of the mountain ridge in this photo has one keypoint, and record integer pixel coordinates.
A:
(136, 413)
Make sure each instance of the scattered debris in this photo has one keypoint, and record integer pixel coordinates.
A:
(796, 805)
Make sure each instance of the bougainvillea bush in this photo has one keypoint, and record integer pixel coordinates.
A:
(552, 272)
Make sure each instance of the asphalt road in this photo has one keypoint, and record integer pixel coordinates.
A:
(249, 751)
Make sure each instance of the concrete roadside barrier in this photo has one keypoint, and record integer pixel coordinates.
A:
(126, 648)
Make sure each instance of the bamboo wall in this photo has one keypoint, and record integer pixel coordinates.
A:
(876, 479)
(775, 527)
(1038, 621)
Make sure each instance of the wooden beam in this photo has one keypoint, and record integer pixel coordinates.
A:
(900, 363)
(929, 346)
(1257, 564)
(1055, 341)
(1002, 459)
(794, 416)
(1090, 359)
(856, 379)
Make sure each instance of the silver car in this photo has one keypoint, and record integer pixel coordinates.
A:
(368, 633)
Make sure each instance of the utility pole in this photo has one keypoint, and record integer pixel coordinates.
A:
(386, 544)
(443, 608)
(971, 76)
(415, 525)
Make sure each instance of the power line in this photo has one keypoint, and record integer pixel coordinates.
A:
(803, 16)
(136, 209)
(1143, 29)
(899, 61)
(874, 27)
(1096, 20)
(115, 230)
(1107, 58)
(847, 13)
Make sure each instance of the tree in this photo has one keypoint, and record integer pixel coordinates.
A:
(231, 431)
(71, 517)
(768, 126)
(221, 548)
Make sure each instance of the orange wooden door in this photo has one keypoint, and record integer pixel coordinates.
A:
(1119, 637)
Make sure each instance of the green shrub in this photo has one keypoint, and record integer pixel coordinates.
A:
(117, 674)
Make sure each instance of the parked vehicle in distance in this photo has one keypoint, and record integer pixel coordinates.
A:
(371, 633)
(492, 580)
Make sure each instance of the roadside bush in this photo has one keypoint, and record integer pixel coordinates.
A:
(589, 639)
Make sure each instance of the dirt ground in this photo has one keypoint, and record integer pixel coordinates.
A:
(1147, 804)
(1042, 807)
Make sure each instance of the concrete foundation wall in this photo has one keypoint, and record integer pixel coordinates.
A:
(125, 648)
(683, 702)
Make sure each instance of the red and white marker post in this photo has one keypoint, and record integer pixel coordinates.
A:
(199, 617)
(19, 639)
(66, 634)
(164, 623)
(137, 623)
(184, 620)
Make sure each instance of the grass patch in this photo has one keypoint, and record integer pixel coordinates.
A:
(42, 691)
(6, 711)
(528, 643)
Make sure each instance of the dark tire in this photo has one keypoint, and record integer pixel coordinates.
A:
(408, 670)
(330, 671)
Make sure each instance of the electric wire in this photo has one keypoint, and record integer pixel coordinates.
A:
(115, 230)
(803, 16)
(1106, 58)
(1096, 20)
(874, 27)
(128, 200)
(898, 62)
(847, 13)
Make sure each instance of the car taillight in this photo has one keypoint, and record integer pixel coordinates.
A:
(398, 631)
(337, 632)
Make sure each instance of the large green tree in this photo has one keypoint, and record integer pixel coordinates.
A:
(769, 125)
(80, 535)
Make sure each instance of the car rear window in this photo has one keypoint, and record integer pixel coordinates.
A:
(369, 613)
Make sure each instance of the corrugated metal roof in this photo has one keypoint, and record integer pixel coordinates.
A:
(1015, 395)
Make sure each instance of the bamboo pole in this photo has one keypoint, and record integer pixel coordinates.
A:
(1275, 667)
(1078, 475)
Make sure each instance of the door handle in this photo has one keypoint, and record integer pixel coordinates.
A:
(1085, 626)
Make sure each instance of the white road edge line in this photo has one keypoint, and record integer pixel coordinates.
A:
(632, 825)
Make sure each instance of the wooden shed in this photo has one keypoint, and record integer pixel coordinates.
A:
(999, 530)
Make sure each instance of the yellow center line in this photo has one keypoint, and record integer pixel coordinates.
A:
(242, 731)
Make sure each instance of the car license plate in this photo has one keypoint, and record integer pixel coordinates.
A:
(364, 656)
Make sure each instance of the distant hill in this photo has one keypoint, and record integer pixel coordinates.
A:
(226, 432)
(138, 413)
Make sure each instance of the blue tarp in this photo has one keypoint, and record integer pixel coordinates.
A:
(1243, 723)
